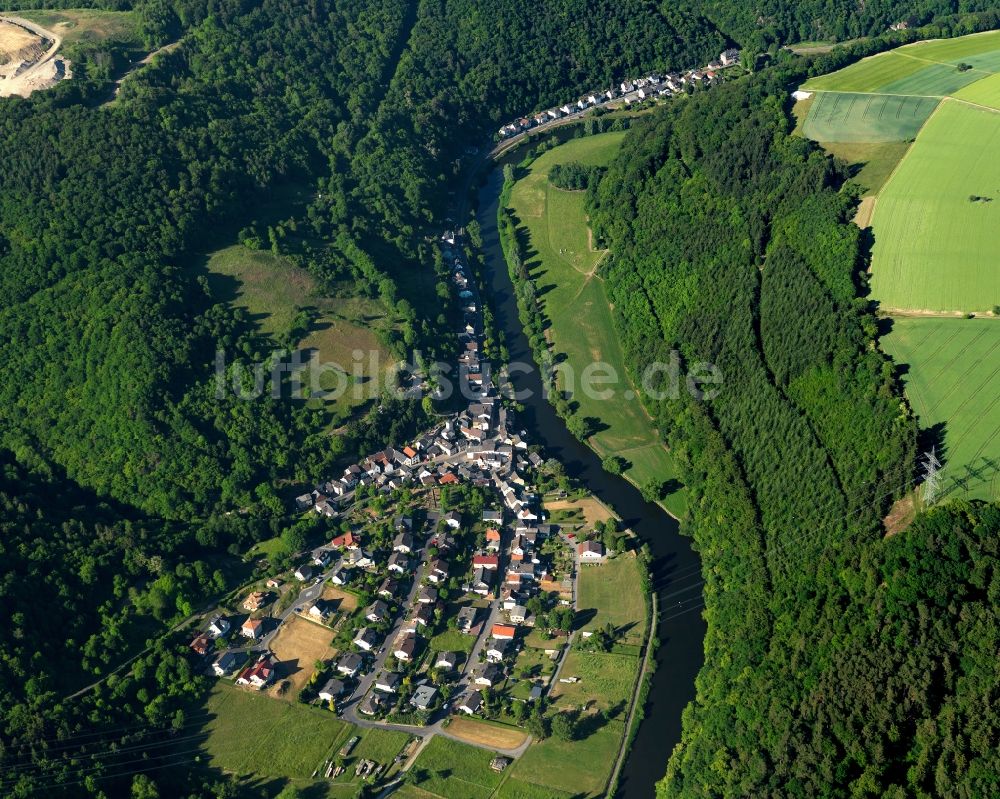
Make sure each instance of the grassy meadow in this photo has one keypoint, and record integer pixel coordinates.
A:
(934, 240)
(613, 591)
(564, 264)
(982, 92)
(952, 380)
(86, 25)
(254, 734)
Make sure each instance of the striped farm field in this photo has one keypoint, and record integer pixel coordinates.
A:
(853, 117)
(952, 380)
(928, 68)
(937, 220)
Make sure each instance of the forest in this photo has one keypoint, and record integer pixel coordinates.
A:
(120, 462)
(835, 657)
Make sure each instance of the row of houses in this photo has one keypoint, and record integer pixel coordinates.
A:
(630, 90)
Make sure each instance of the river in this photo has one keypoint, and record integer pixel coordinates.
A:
(680, 654)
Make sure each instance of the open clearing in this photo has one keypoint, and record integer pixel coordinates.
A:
(478, 732)
(298, 645)
(606, 680)
(456, 771)
(935, 248)
(553, 227)
(874, 161)
(952, 380)
(253, 734)
(613, 590)
(87, 24)
(275, 294)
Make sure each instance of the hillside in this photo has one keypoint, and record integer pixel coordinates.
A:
(731, 240)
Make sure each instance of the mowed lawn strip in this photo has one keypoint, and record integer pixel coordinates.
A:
(953, 379)
(937, 220)
(613, 592)
(563, 263)
(254, 734)
(456, 771)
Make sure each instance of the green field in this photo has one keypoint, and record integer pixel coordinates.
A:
(934, 247)
(849, 117)
(452, 641)
(454, 770)
(982, 92)
(873, 162)
(888, 96)
(614, 591)
(923, 68)
(953, 379)
(255, 734)
(564, 265)
(544, 764)
(606, 680)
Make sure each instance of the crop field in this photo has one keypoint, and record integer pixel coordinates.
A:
(456, 771)
(867, 75)
(937, 220)
(614, 591)
(253, 734)
(982, 92)
(850, 117)
(564, 264)
(952, 380)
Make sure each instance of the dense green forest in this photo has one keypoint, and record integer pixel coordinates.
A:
(119, 458)
(835, 659)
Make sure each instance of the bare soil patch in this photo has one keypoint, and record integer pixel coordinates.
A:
(593, 510)
(298, 645)
(476, 732)
(346, 603)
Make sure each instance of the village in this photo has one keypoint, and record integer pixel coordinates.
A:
(629, 91)
(444, 592)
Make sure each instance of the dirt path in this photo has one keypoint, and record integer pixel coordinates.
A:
(139, 65)
(44, 72)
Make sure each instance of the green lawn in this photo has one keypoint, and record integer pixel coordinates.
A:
(934, 248)
(845, 117)
(519, 789)
(456, 770)
(614, 591)
(254, 734)
(564, 265)
(545, 762)
(452, 641)
(953, 379)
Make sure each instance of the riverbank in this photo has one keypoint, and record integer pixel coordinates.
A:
(680, 654)
(555, 266)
